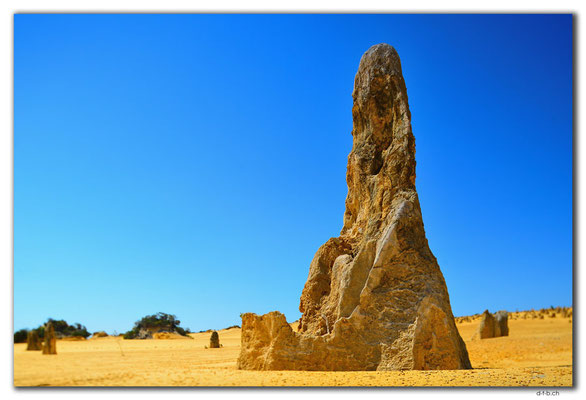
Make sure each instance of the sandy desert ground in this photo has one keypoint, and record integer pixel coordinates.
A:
(538, 352)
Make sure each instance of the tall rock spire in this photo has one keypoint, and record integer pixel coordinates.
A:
(375, 297)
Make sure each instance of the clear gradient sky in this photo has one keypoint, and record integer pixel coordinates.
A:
(193, 164)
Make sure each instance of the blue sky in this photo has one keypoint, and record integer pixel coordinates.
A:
(193, 164)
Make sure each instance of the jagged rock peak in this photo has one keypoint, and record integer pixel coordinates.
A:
(375, 297)
(382, 160)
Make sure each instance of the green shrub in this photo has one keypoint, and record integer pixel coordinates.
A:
(41, 331)
(62, 328)
(130, 334)
(20, 336)
(162, 321)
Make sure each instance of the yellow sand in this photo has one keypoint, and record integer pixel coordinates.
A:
(538, 352)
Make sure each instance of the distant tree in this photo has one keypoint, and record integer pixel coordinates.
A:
(20, 336)
(59, 325)
(41, 331)
(131, 334)
(181, 331)
(62, 328)
(161, 321)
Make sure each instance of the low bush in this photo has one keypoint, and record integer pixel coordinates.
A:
(159, 321)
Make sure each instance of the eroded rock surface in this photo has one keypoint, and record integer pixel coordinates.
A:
(375, 297)
(50, 343)
(214, 340)
(33, 341)
(501, 323)
(493, 325)
(486, 328)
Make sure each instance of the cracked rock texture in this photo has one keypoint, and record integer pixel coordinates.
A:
(375, 297)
